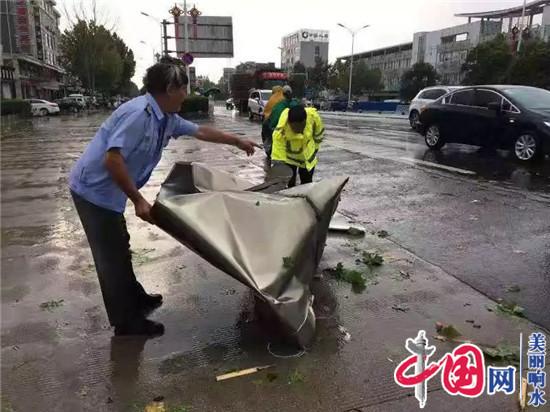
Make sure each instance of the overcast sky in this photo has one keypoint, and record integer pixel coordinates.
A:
(258, 25)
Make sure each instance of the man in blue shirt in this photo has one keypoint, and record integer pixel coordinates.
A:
(116, 164)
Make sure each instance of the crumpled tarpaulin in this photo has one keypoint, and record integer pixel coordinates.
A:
(271, 242)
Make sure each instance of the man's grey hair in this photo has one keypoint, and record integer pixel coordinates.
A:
(162, 76)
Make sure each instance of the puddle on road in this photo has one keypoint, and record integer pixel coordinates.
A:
(492, 165)
(25, 236)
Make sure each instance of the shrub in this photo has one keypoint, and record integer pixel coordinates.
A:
(193, 104)
(15, 106)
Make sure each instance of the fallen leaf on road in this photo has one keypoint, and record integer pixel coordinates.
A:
(271, 376)
(404, 275)
(400, 307)
(470, 321)
(156, 406)
(372, 259)
(510, 308)
(447, 331)
(520, 252)
(356, 278)
(513, 289)
(501, 353)
(354, 231)
(51, 305)
(295, 377)
(83, 391)
(382, 233)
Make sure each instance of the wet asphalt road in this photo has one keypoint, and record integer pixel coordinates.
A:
(484, 223)
(481, 216)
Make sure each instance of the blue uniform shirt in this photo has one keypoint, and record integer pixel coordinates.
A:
(141, 131)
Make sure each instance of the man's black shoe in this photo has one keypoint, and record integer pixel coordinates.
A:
(140, 326)
(148, 303)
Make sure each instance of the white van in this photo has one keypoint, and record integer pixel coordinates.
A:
(256, 103)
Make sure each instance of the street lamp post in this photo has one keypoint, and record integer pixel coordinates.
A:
(353, 33)
(161, 28)
(155, 54)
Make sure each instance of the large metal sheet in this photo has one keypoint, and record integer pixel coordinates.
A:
(210, 36)
(270, 242)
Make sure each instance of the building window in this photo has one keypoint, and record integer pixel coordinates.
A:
(317, 51)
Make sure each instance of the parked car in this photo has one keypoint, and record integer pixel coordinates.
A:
(506, 117)
(71, 104)
(423, 98)
(41, 107)
(229, 105)
(256, 103)
(338, 104)
(83, 100)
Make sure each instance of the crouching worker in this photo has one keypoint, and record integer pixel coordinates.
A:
(296, 141)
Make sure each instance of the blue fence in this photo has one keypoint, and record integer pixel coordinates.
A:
(366, 106)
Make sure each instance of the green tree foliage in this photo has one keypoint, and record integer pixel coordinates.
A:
(299, 67)
(128, 66)
(297, 81)
(337, 76)
(488, 63)
(532, 67)
(419, 76)
(318, 75)
(99, 58)
(496, 62)
(364, 80)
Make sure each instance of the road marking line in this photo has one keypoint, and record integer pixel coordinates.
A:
(439, 166)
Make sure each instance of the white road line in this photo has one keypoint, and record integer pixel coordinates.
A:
(438, 166)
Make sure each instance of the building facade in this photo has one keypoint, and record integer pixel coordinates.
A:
(305, 46)
(448, 48)
(30, 49)
(391, 61)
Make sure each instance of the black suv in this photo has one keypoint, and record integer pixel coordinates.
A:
(505, 117)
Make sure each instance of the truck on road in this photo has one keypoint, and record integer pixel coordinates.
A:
(261, 78)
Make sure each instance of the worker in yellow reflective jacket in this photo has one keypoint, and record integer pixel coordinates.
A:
(296, 141)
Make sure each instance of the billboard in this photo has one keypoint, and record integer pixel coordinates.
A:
(314, 35)
(23, 27)
(209, 36)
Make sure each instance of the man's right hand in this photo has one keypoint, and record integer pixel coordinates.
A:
(143, 210)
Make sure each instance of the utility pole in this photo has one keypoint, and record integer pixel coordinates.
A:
(353, 33)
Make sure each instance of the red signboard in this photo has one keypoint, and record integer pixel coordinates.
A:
(23, 29)
(274, 76)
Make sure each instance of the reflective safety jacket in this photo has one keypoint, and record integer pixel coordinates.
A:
(298, 149)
